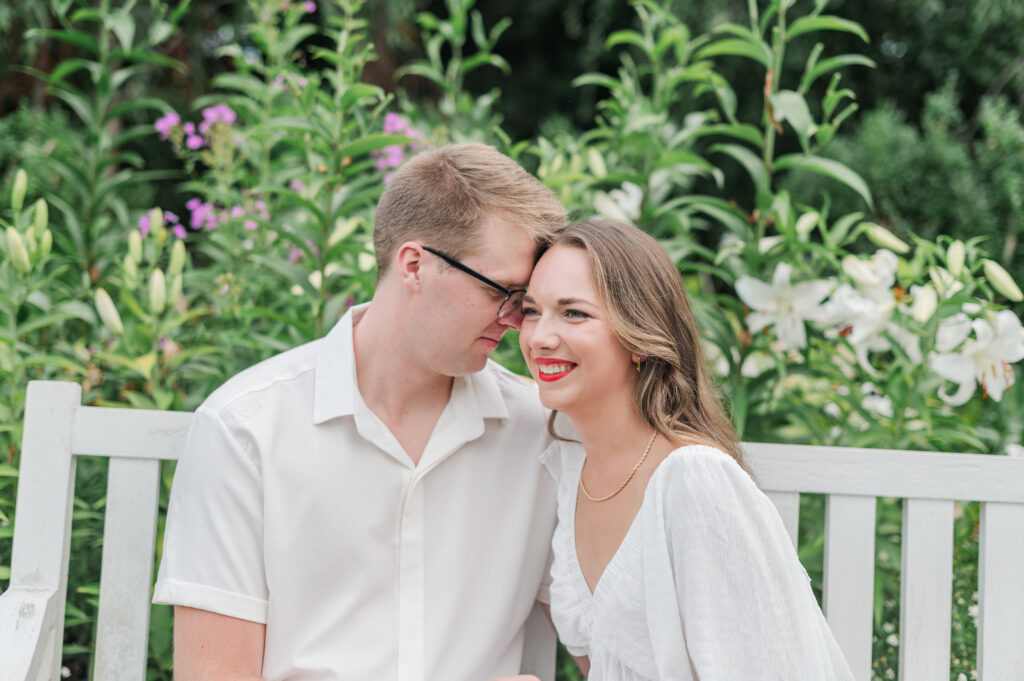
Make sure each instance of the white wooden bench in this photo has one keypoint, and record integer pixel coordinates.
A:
(58, 428)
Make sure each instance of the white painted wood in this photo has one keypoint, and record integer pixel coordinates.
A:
(848, 589)
(31, 610)
(26, 633)
(1001, 592)
(886, 472)
(926, 589)
(788, 506)
(539, 646)
(129, 535)
(135, 433)
(46, 481)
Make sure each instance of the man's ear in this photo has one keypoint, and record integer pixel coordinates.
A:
(408, 265)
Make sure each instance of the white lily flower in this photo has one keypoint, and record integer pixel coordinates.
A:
(783, 304)
(625, 203)
(864, 313)
(985, 360)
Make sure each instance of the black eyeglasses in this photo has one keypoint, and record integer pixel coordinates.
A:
(511, 308)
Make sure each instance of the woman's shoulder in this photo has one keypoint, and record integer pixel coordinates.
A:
(700, 471)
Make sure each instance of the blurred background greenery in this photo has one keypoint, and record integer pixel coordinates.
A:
(149, 269)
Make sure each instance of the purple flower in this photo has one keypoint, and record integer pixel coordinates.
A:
(395, 123)
(310, 6)
(294, 254)
(164, 124)
(194, 142)
(171, 217)
(179, 231)
(203, 215)
(297, 186)
(190, 128)
(237, 211)
(214, 114)
(144, 224)
(250, 224)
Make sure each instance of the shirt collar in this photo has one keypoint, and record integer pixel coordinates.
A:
(336, 391)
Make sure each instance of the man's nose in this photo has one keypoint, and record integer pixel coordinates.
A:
(513, 319)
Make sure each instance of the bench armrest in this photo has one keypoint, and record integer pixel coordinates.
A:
(26, 633)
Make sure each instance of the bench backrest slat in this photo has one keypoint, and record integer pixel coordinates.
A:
(57, 427)
(129, 534)
(1001, 592)
(849, 576)
(926, 589)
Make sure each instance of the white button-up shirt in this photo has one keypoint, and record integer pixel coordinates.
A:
(295, 506)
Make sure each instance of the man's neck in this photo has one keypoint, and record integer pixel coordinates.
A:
(407, 396)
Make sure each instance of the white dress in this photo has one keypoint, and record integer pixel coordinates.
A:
(705, 586)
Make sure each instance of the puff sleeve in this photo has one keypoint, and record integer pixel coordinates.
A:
(727, 597)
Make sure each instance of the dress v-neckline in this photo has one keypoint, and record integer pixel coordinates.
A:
(629, 531)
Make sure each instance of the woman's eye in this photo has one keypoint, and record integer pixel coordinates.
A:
(530, 311)
(576, 314)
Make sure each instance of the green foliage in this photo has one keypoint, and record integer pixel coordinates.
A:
(727, 144)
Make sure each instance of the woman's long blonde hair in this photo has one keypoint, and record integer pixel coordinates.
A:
(642, 293)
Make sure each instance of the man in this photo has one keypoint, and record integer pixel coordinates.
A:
(372, 505)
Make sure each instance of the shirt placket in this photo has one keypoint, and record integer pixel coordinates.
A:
(411, 583)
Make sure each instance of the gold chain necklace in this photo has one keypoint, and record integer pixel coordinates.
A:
(624, 482)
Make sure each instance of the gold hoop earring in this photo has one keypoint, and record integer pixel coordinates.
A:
(638, 366)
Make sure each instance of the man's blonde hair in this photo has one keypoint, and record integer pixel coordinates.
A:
(442, 195)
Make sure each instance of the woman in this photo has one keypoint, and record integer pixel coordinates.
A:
(669, 563)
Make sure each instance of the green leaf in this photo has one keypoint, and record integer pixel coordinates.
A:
(122, 26)
(290, 39)
(626, 38)
(750, 161)
(829, 168)
(7, 471)
(370, 143)
(359, 91)
(55, 361)
(826, 23)
(831, 64)
(76, 38)
(743, 132)
(738, 47)
(599, 79)
(241, 82)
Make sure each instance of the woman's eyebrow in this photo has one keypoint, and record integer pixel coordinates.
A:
(561, 302)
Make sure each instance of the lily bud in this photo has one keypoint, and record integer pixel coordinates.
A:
(16, 251)
(108, 313)
(177, 262)
(597, 165)
(42, 217)
(156, 224)
(135, 246)
(46, 244)
(1002, 281)
(955, 257)
(157, 291)
(806, 223)
(926, 300)
(131, 273)
(18, 190)
(176, 287)
(883, 238)
(342, 228)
